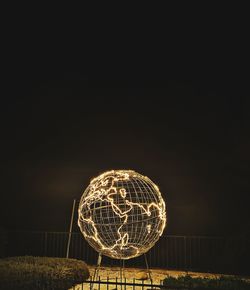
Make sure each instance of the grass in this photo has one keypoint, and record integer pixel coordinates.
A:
(222, 283)
(21, 273)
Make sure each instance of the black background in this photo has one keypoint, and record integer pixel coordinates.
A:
(172, 104)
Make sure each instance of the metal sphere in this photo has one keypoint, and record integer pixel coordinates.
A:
(122, 214)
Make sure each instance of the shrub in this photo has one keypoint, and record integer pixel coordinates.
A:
(222, 283)
(21, 273)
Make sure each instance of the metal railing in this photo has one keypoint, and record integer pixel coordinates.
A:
(132, 284)
(188, 253)
(123, 285)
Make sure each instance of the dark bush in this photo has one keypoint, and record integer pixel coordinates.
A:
(222, 283)
(21, 273)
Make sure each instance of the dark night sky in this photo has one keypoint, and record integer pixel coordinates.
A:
(181, 120)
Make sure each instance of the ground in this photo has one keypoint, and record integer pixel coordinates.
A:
(130, 273)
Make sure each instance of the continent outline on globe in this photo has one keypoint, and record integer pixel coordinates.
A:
(122, 214)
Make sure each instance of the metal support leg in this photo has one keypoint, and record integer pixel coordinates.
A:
(121, 271)
(97, 268)
(148, 270)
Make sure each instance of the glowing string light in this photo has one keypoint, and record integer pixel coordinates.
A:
(122, 214)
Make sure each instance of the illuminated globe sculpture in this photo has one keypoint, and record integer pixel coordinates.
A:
(122, 214)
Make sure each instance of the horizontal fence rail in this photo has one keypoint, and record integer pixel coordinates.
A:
(188, 253)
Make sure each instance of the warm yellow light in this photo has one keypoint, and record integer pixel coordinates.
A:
(122, 214)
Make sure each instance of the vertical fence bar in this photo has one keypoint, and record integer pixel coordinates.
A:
(199, 251)
(190, 252)
(185, 253)
(175, 255)
(45, 243)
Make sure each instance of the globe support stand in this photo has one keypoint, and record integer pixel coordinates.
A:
(97, 268)
(148, 270)
(121, 269)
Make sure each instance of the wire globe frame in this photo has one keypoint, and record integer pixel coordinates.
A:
(122, 214)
